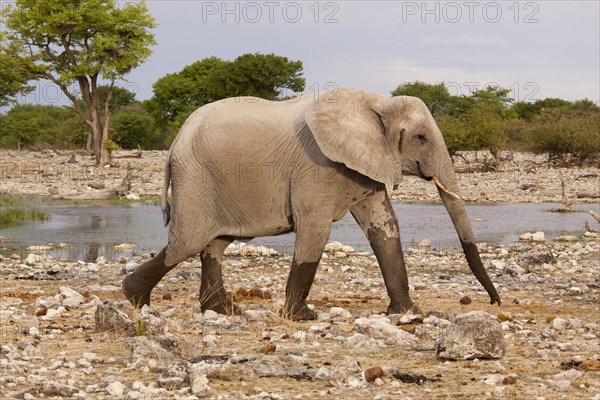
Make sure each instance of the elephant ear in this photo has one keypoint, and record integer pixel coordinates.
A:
(349, 127)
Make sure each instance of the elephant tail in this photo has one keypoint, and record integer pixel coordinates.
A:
(166, 207)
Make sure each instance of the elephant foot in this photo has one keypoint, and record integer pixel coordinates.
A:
(403, 307)
(298, 312)
(220, 306)
(136, 291)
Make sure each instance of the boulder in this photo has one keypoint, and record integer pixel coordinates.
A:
(476, 334)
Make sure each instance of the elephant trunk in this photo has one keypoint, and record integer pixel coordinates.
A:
(448, 189)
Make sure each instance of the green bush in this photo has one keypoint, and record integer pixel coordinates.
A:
(566, 136)
(132, 127)
(28, 124)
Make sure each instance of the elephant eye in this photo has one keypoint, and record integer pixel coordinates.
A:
(421, 138)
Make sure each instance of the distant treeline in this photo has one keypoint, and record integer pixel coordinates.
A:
(487, 119)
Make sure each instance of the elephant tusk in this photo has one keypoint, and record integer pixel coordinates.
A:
(441, 186)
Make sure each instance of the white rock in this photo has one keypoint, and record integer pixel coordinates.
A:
(299, 335)
(232, 250)
(476, 334)
(132, 196)
(380, 328)
(129, 267)
(538, 237)
(47, 301)
(33, 259)
(559, 324)
(319, 327)
(115, 388)
(339, 312)
(333, 247)
(340, 254)
(566, 238)
(526, 236)
(210, 314)
(323, 374)
(198, 382)
(249, 251)
(569, 374)
(125, 247)
(72, 298)
(259, 315)
(39, 249)
(210, 340)
(425, 245)
(152, 321)
(347, 249)
(563, 385)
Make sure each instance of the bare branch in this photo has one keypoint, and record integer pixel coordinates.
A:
(596, 216)
(67, 46)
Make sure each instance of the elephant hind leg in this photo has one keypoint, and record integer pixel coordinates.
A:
(212, 292)
(138, 285)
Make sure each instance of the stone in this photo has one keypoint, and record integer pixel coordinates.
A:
(339, 313)
(258, 315)
(210, 340)
(125, 247)
(380, 328)
(333, 247)
(425, 245)
(569, 374)
(323, 374)
(526, 236)
(110, 318)
(249, 251)
(559, 324)
(47, 302)
(538, 237)
(347, 249)
(198, 381)
(33, 259)
(72, 298)
(151, 321)
(146, 352)
(373, 373)
(129, 267)
(476, 334)
(566, 238)
(115, 388)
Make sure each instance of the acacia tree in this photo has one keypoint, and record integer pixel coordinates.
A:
(76, 44)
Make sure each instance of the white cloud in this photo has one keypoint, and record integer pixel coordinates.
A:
(464, 40)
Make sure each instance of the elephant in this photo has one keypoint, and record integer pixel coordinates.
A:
(246, 167)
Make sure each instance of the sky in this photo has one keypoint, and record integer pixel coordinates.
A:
(537, 49)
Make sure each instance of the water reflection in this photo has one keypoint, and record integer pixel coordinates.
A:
(91, 230)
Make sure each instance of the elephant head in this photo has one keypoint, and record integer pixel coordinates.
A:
(385, 138)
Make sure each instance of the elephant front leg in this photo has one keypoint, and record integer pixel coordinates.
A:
(376, 218)
(212, 292)
(310, 242)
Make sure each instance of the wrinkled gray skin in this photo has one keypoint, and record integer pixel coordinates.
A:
(246, 167)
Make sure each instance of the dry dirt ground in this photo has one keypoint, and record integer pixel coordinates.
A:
(50, 346)
(549, 317)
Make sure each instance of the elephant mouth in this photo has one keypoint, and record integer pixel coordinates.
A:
(421, 174)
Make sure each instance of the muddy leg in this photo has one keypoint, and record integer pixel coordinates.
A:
(212, 292)
(138, 285)
(310, 242)
(377, 219)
